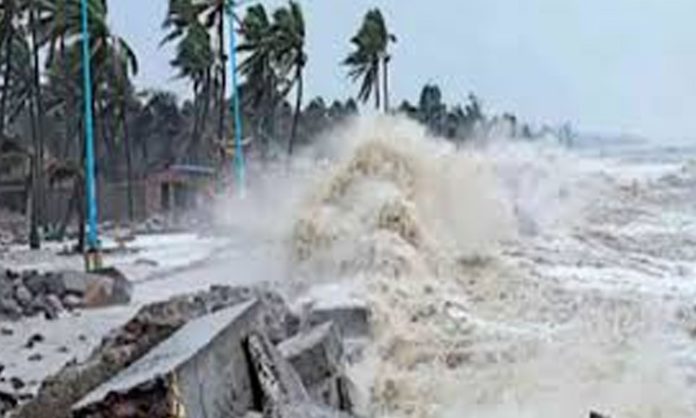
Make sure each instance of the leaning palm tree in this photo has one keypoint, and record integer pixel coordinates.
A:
(182, 15)
(370, 53)
(288, 46)
(194, 59)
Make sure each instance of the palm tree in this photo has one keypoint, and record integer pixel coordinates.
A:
(194, 58)
(182, 16)
(370, 53)
(260, 78)
(288, 47)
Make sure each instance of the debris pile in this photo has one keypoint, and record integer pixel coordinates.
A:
(30, 293)
(225, 352)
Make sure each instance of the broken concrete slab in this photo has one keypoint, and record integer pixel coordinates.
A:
(316, 354)
(283, 394)
(342, 303)
(277, 380)
(150, 326)
(202, 368)
(352, 321)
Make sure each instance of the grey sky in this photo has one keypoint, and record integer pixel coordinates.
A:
(605, 65)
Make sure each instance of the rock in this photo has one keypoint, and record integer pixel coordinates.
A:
(594, 414)
(54, 302)
(23, 295)
(8, 402)
(49, 305)
(109, 287)
(6, 331)
(48, 283)
(72, 301)
(2, 368)
(74, 282)
(33, 340)
(16, 383)
(35, 357)
(10, 309)
(63, 349)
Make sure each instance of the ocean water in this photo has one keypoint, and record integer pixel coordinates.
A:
(506, 280)
(512, 280)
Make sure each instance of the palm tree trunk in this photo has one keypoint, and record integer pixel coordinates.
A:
(206, 106)
(196, 118)
(385, 64)
(298, 105)
(377, 86)
(33, 19)
(81, 218)
(223, 76)
(36, 159)
(129, 163)
(72, 205)
(69, 102)
(6, 77)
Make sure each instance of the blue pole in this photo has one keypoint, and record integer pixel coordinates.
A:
(238, 153)
(92, 240)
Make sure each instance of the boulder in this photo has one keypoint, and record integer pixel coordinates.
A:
(107, 287)
(74, 282)
(72, 301)
(23, 296)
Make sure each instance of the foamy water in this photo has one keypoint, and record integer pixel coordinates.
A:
(515, 280)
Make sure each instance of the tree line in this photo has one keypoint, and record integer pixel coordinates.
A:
(139, 131)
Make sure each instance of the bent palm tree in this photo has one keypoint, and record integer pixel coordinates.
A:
(370, 52)
(288, 46)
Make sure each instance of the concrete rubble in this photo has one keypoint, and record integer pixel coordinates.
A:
(30, 293)
(224, 352)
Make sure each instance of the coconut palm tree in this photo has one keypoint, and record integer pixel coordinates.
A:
(194, 58)
(182, 17)
(370, 55)
(261, 82)
(288, 34)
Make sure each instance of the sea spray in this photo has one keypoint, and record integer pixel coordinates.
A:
(492, 294)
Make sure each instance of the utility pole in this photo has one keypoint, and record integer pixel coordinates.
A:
(92, 255)
(239, 164)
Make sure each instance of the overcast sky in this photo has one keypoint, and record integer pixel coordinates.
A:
(604, 65)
